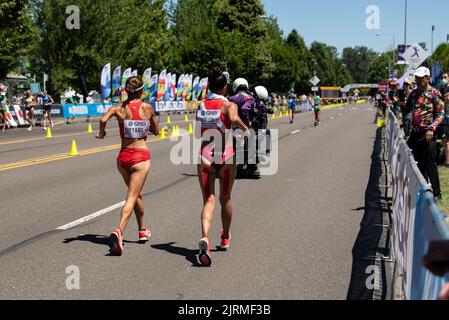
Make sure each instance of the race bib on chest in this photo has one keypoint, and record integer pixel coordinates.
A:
(210, 119)
(136, 129)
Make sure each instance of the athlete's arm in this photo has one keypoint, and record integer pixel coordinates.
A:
(154, 125)
(51, 100)
(103, 122)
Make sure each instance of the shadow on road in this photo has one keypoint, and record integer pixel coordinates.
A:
(188, 254)
(369, 277)
(97, 239)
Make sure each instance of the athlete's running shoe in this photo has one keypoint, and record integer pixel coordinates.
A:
(204, 256)
(43, 128)
(144, 235)
(117, 242)
(30, 128)
(225, 242)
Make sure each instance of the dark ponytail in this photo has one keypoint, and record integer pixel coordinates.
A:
(217, 80)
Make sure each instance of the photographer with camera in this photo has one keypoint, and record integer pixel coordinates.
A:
(260, 121)
(245, 102)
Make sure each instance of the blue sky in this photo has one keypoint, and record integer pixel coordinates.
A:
(341, 23)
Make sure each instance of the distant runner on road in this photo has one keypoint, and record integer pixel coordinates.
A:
(317, 105)
(292, 105)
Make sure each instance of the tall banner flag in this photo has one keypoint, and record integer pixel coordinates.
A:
(167, 87)
(116, 83)
(196, 86)
(180, 87)
(161, 85)
(173, 87)
(185, 88)
(106, 82)
(153, 87)
(135, 73)
(189, 88)
(146, 83)
(203, 85)
(126, 76)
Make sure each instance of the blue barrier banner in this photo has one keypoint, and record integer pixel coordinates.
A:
(417, 220)
(84, 110)
(430, 225)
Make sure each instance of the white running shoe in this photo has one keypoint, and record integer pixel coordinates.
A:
(44, 128)
(30, 128)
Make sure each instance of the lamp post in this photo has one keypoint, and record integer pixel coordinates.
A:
(405, 27)
(433, 30)
(394, 45)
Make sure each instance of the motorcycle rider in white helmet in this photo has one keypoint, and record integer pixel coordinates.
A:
(244, 100)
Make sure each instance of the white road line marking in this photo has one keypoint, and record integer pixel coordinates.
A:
(295, 132)
(90, 217)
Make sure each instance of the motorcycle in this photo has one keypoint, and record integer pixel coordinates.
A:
(251, 146)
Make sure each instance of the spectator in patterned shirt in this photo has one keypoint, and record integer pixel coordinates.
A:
(427, 108)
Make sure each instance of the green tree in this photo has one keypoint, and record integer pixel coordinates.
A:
(108, 33)
(357, 61)
(211, 32)
(16, 33)
(442, 54)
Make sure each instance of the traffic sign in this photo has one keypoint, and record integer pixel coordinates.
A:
(415, 55)
(315, 80)
(315, 89)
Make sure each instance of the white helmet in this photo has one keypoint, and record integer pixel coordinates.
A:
(261, 92)
(240, 82)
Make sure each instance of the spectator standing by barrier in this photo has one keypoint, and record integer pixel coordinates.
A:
(444, 89)
(427, 108)
(15, 101)
(403, 96)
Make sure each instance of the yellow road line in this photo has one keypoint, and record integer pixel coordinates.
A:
(42, 138)
(62, 156)
(67, 135)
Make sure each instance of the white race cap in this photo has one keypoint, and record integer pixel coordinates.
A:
(422, 72)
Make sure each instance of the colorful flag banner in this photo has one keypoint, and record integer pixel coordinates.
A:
(116, 83)
(180, 87)
(146, 83)
(106, 82)
(153, 87)
(161, 85)
(196, 86)
(126, 75)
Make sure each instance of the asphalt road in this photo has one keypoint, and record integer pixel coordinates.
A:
(293, 232)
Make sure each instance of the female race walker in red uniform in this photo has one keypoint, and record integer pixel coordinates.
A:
(217, 116)
(136, 120)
